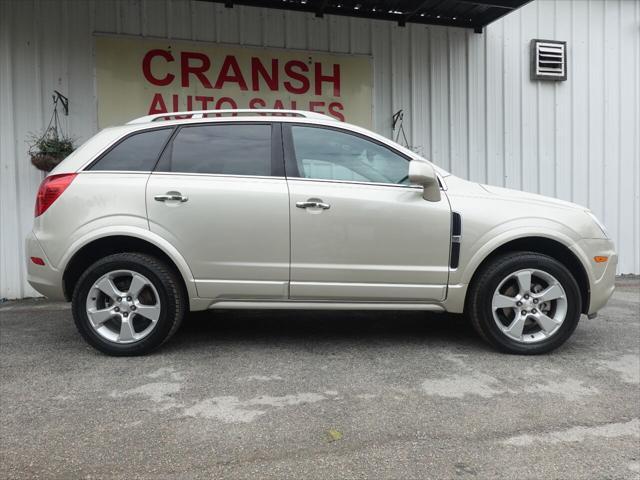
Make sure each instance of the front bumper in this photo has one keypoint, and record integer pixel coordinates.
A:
(44, 278)
(602, 276)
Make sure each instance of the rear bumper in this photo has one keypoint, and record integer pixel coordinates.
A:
(43, 278)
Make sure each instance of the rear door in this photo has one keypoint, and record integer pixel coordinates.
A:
(220, 197)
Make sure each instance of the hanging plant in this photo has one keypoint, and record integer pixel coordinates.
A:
(51, 147)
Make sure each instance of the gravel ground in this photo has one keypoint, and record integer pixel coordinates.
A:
(246, 394)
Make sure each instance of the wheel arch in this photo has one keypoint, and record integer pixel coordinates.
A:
(99, 247)
(546, 246)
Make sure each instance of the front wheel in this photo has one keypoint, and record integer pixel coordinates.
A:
(128, 304)
(524, 303)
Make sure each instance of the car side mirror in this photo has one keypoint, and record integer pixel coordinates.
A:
(423, 174)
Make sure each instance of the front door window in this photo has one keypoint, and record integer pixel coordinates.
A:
(328, 154)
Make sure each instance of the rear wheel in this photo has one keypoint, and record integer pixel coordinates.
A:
(525, 303)
(128, 304)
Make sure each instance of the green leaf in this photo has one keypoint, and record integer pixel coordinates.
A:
(334, 435)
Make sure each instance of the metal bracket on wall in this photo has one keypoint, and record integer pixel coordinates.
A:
(63, 100)
(396, 119)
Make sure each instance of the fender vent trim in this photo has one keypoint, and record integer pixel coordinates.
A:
(456, 238)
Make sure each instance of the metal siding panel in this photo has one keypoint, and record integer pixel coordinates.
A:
(251, 25)
(578, 75)
(529, 103)
(401, 80)
(439, 73)
(338, 34)
(546, 111)
(204, 21)
(360, 33)
(512, 77)
(107, 16)
(10, 281)
(381, 48)
(273, 33)
(154, 17)
(318, 33)
(421, 124)
(477, 104)
(458, 114)
(611, 131)
(27, 113)
(495, 105)
(635, 159)
(596, 106)
(179, 20)
(83, 118)
(52, 57)
(130, 12)
(227, 24)
(296, 28)
(563, 94)
(628, 193)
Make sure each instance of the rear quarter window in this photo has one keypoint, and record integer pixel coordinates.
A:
(137, 152)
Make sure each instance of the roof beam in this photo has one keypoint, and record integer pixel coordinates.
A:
(488, 17)
(424, 12)
(403, 21)
(321, 7)
(508, 4)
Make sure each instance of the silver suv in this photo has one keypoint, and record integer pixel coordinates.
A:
(290, 209)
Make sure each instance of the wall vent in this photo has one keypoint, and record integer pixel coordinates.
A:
(548, 60)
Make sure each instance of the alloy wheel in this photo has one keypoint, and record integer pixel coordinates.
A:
(123, 306)
(529, 305)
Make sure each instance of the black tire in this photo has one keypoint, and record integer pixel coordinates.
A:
(172, 297)
(479, 301)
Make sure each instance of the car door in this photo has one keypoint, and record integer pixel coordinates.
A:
(359, 231)
(220, 197)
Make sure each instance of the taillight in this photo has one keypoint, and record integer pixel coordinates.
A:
(50, 189)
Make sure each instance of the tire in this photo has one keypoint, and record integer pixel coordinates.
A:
(154, 303)
(522, 328)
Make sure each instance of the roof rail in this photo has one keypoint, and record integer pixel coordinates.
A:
(205, 113)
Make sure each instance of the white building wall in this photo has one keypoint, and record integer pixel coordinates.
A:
(469, 105)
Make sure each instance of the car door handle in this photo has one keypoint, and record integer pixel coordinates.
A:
(313, 203)
(177, 197)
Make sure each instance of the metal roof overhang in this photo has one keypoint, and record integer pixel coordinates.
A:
(474, 14)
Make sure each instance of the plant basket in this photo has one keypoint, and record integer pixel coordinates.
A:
(48, 149)
(45, 161)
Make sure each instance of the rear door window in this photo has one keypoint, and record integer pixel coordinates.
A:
(137, 152)
(228, 149)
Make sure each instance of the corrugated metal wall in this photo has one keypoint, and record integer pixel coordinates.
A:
(469, 104)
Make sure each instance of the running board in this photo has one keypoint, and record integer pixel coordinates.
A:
(304, 305)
